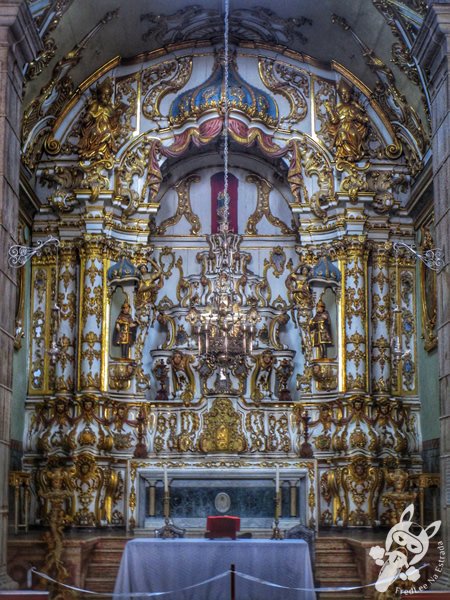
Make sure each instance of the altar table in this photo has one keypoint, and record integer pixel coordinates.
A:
(159, 565)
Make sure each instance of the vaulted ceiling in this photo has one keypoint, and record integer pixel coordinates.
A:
(365, 36)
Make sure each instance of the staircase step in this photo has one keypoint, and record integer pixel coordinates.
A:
(98, 584)
(350, 571)
(333, 557)
(333, 595)
(338, 581)
(108, 555)
(106, 569)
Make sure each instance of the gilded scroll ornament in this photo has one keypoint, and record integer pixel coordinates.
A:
(347, 124)
(361, 484)
(100, 124)
(263, 188)
(255, 425)
(162, 79)
(139, 163)
(186, 439)
(289, 81)
(183, 188)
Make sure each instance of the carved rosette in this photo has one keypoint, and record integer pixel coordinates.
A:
(355, 319)
(380, 320)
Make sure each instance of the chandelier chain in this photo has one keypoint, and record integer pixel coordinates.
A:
(226, 207)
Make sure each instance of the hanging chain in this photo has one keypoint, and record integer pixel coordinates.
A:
(226, 71)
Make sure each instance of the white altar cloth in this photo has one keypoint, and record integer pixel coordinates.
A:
(158, 565)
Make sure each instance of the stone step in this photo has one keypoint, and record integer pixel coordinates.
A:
(108, 555)
(106, 569)
(337, 595)
(335, 580)
(100, 584)
(348, 569)
(334, 557)
(341, 546)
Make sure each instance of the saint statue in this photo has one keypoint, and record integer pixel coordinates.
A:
(320, 330)
(125, 329)
(348, 125)
(100, 124)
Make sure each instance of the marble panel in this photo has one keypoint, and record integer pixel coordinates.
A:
(195, 499)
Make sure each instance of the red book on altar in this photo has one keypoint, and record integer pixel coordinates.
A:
(218, 527)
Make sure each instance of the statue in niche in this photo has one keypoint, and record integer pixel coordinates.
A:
(347, 124)
(320, 330)
(100, 124)
(125, 330)
(182, 376)
(261, 383)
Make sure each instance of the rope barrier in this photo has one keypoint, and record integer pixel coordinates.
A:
(128, 594)
(231, 572)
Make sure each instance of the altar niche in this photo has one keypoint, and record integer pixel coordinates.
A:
(197, 493)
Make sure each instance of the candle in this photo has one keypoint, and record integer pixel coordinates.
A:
(277, 479)
(30, 578)
(166, 481)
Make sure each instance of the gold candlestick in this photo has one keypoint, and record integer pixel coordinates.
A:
(276, 532)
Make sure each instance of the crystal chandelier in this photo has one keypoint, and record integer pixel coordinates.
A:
(225, 328)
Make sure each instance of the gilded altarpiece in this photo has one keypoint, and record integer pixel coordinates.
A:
(143, 356)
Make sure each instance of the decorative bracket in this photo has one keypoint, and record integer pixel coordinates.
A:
(433, 258)
(18, 256)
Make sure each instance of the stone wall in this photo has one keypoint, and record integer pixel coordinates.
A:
(18, 44)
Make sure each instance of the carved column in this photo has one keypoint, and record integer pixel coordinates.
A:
(381, 349)
(432, 49)
(355, 317)
(91, 316)
(67, 302)
(19, 43)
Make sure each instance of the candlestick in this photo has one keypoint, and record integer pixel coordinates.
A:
(276, 532)
(166, 506)
(166, 481)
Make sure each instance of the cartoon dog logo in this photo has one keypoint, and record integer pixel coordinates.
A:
(403, 549)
